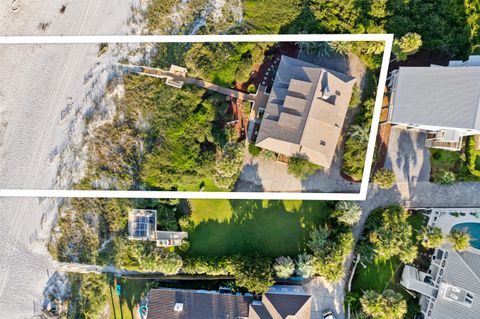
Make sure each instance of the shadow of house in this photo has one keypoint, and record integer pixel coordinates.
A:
(252, 182)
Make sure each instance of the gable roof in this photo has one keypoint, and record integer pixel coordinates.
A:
(282, 306)
(305, 111)
(196, 305)
(447, 97)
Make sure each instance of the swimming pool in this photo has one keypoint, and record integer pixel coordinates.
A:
(473, 229)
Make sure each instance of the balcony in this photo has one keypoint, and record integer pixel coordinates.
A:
(446, 140)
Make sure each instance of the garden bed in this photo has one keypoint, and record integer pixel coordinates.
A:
(464, 165)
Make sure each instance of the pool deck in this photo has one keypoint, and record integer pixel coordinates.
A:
(446, 218)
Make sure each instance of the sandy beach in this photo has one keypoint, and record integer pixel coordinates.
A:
(44, 92)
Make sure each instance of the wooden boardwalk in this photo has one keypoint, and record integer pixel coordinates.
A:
(159, 73)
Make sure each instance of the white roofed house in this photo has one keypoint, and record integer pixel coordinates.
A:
(451, 287)
(305, 111)
(142, 225)
(442, 101)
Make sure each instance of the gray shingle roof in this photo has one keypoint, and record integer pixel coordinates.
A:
(298, 117)
(438, 96)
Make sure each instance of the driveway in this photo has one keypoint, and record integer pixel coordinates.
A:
(409, 159)
(325, 297)
(271, 176)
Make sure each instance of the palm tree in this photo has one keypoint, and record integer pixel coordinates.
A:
(306, 46)
(305, 268)
(321, 49)
(388, 305)
(375, 47)
(359, 133)
(350, 212)
(406, 45)
(284, 267)
(318, 238)
(341, 47)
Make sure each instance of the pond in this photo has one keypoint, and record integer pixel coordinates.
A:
(473, 229)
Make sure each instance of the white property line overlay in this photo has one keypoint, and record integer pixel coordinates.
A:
(362, 195)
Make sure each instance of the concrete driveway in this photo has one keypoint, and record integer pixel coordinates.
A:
(326, 296)
(408, 157)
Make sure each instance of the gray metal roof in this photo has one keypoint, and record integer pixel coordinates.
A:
(305, 111)
(437, 96)
(458, 279)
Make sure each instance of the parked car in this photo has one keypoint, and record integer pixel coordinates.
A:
(328, 315)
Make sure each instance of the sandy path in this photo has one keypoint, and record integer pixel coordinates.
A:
(43, 90)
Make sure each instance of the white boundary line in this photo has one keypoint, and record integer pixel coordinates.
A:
(387, 38)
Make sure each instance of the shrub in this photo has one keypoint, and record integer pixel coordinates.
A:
(384, 178)
(102, 49)
(227, 168)
(267, 155)
(247, 108)
(208, 265)
(254, 150)
(459, 239)
(253, 273)
(353, 299)
(446, 177)
(284, 267)
(329, 262)
(185, 223)
(300, 167)
(87, 295)
(305, 268)
(185, 245)
(252, 88)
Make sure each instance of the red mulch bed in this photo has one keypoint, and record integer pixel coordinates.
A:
(349, 178)
(271, 54)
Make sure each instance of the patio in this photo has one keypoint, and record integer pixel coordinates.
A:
(446, 218)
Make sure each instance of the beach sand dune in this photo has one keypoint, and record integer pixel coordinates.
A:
(43, 92)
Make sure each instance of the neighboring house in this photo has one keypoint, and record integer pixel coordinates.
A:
(142, 225)
(305, 111)
(442, 101)
(279, 303)
(451, 288)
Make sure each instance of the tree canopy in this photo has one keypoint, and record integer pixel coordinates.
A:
(388, 305)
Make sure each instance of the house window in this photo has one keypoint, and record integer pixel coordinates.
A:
(322, 143)
(337, 92)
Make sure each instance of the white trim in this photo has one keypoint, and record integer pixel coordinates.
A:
(387, 38)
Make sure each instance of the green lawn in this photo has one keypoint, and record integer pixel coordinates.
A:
(271, 228)
(377, 276)
(125, 305)
(380, 274)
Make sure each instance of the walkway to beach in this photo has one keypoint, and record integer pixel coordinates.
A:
(159, 73)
